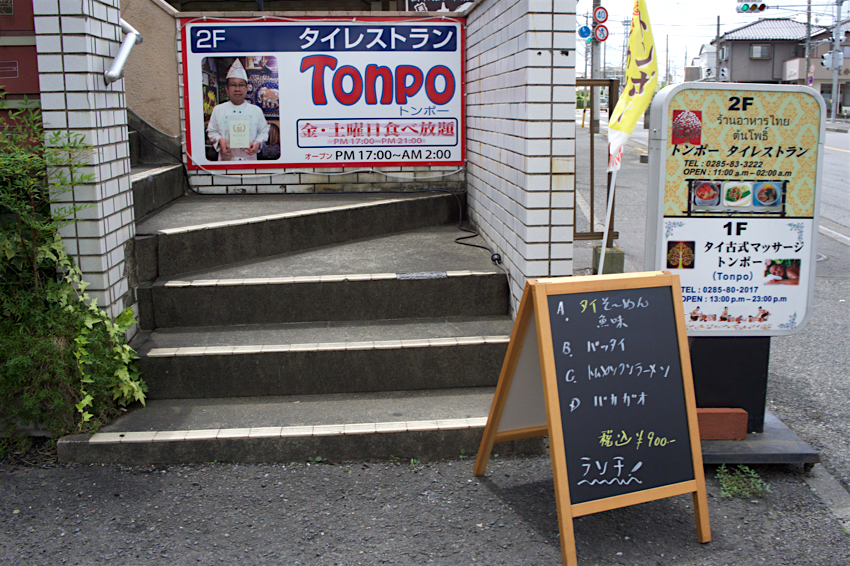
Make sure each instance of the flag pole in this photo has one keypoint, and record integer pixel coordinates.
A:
(641, 79)
(608, 215)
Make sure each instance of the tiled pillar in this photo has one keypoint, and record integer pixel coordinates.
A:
(76, 41)
(521, 133)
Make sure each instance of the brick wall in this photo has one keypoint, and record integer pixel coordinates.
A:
(521, 133)
(76, 41)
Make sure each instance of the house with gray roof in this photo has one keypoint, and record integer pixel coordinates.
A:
(756, 52)
(773, 51)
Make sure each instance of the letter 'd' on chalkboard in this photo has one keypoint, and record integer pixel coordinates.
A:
(601, 365)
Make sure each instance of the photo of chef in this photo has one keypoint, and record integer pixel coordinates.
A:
(437, 5)
(241, 112)
(782, 271)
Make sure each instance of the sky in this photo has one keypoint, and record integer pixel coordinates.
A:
(691, 23)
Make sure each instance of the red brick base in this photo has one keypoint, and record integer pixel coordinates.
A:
(722, 424)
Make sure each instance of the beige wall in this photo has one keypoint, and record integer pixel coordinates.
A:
(151, 77)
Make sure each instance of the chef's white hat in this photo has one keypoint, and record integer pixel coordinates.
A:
(237, 71)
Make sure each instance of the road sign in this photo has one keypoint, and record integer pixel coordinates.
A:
(600, 15)
(584, 32)
(600, 33)
(811, 79)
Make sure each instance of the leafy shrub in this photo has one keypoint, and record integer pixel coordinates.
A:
(64, 363)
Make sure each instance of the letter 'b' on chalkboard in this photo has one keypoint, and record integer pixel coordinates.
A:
(601, 365)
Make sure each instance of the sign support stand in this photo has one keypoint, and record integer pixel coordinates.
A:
(525, 405)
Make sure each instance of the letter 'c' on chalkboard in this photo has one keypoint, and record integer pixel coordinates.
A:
(601, 365)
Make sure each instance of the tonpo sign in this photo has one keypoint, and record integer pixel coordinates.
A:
(335, 92)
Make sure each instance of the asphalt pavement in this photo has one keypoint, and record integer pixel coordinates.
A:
(410, 512)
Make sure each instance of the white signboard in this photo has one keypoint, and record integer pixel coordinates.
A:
(733, 204)
(328, 92)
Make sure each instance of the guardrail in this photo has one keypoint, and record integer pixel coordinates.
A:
(131, 38)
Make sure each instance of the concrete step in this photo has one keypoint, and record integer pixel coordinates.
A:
(346, 297)
(422, 425)
(323, 358)
(202, 232)
(154, 186)
(324, 284)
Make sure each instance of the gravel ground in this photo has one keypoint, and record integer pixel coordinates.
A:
(386, 513)
(808, 387)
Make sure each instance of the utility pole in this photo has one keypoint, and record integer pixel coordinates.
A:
(627, 24)
(586, 50)
(808, 38)
(586, 59)
(717, 53)
(605, 60)
(836, 49)
(594, 71)
(667, 62)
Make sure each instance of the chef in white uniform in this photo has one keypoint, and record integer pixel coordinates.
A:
(237, 128)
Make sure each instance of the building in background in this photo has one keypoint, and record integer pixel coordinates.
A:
(757, 52)
(821, 78)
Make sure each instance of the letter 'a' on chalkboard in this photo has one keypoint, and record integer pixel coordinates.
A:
(601, 364)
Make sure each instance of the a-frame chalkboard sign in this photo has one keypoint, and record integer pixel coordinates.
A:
(616, 396)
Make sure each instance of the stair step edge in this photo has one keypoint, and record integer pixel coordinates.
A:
(286, 215)
(285, 431)
(316, 347)
(173, 283)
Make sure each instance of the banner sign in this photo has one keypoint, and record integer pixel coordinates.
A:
(735, 171)
(323, 93)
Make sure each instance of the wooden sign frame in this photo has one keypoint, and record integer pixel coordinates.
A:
(526, 406)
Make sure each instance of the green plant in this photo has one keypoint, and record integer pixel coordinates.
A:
(64, 362)
(394, 458)
(414, 462)
(463, 454)
(741, 482)
(316, 460)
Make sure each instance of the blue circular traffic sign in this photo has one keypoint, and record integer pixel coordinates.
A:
(584, 32)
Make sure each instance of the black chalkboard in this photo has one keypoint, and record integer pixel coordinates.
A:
(620, 391)
(601, 365)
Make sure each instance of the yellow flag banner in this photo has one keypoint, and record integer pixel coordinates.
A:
(641, 80)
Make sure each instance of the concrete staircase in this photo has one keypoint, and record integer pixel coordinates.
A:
(289, 327)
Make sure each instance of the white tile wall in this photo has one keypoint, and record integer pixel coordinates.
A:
(521, 133)
(74, 41)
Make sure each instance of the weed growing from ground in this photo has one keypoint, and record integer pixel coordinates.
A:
(741, 482)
